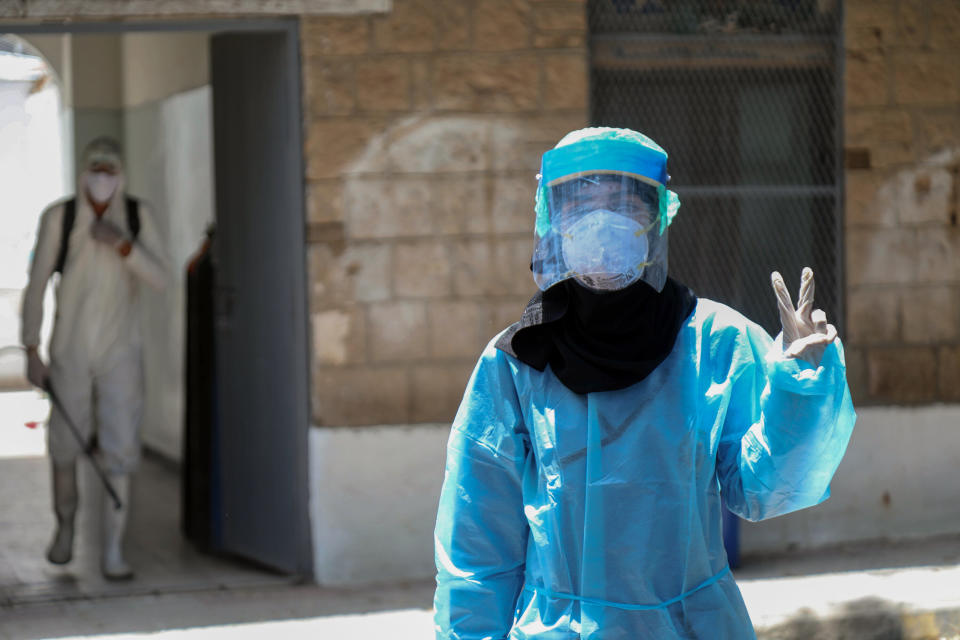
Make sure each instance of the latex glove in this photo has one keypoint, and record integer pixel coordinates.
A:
(37, 371)
(108, 233)
(806, 333)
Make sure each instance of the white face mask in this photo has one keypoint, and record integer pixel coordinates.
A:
(101, 186)
(605, 250)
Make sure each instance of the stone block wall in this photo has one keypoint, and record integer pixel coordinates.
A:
(902, 115)
(424, 128)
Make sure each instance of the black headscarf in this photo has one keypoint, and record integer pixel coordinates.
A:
(599, 341)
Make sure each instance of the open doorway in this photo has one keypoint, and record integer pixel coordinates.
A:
(208, 115)
(36, 151)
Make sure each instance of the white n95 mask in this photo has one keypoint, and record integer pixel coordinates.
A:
(101, 186)
(604, 250)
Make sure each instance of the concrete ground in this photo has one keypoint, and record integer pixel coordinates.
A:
(880, 591)
(163, 560)
(908, 590)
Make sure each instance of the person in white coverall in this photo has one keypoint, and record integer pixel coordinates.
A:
(105, 246)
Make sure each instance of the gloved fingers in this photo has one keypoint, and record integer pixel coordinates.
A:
(831, 333)
(819, 319)
(107, 233)
(811, 347)
(813, 339)
(805, 298)
(788, 319)
(105, 227)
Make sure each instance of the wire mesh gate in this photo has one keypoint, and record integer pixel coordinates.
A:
(744, 96)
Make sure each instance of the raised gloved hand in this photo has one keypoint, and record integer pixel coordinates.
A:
(806, 333)
(108, 233)
(37, 371)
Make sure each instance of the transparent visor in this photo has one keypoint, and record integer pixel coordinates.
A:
(602, 229)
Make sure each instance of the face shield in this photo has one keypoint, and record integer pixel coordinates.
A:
(603, 211)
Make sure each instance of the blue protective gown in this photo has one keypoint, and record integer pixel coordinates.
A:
(597, 516)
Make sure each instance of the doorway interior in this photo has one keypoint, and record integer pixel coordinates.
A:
(209, 115)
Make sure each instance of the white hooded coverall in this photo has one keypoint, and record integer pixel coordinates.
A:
(95, 349)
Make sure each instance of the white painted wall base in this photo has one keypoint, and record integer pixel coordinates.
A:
(374, 492)
(373, 501)
(910, 454)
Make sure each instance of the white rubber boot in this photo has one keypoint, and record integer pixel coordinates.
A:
(64, 483)
(112, 564)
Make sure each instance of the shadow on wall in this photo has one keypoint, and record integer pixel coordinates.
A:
(921, 198)
(439, 167)
(903, 263)
(432, 208)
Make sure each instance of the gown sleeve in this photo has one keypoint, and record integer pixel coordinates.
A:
(42, 266)
(481, 532)
(786, 428)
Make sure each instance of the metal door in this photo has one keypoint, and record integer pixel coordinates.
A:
(261, 324)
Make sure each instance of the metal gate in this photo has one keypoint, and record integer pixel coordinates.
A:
(745, 97)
